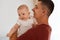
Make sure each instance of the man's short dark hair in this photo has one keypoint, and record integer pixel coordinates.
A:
(49, 4)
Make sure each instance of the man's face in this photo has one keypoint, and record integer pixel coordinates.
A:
(38, 10)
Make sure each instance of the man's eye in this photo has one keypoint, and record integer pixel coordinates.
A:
(36, 7)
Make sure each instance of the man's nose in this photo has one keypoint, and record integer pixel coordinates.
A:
(33, 9)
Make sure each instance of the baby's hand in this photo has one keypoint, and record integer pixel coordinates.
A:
(8, 35)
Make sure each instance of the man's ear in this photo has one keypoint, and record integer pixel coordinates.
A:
(45, 11)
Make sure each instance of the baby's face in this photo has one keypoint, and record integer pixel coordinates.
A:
(23, 14)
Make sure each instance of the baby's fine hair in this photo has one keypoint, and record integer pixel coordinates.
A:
(22, 7)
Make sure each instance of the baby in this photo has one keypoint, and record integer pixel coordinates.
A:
(24, 22)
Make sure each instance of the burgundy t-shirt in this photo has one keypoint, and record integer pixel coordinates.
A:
(40, 32)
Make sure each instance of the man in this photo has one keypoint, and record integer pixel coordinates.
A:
(42, 31)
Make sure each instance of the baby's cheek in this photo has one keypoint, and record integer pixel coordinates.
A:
(19, 17)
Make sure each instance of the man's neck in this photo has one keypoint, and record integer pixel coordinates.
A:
(43, 20)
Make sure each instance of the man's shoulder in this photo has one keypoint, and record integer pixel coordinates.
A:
(43, 27)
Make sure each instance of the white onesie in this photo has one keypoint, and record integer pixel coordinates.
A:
(25, 25)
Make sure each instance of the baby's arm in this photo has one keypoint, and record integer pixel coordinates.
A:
(14, 29)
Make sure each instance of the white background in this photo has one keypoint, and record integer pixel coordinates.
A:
(8, 16)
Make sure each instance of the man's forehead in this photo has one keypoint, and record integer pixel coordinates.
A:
(38, 3)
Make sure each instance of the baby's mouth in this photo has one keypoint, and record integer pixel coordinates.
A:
(22, 18)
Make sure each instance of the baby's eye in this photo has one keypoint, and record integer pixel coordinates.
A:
(23, 14)
(19, 14)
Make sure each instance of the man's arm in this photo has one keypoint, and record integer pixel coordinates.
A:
(14, 36)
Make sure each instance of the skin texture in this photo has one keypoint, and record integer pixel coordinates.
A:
(40, 14)
(23, 12)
